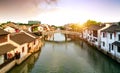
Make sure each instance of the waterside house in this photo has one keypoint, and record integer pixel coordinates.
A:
(11, 27)
(106, 38)
(16, 47)
(110, 40)
(24, 43)
(7, 52)
(38, 43)
(93, 34)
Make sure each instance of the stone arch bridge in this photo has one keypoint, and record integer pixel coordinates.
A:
(65, 32)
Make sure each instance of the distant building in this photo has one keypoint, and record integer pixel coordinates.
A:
(11, 29)
(34, 22)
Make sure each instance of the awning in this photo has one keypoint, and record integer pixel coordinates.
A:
(6, 48)
(116, 43)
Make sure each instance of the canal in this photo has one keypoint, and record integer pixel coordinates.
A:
(67, 57)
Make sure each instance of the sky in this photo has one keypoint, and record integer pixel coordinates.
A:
(60, 12)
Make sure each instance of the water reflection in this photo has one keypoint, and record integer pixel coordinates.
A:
(97, 60)
(27, 65)
(58, 37)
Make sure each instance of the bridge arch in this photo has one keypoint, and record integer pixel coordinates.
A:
(48, 34)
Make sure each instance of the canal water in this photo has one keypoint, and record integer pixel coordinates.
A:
(68, 57)
(61, 38)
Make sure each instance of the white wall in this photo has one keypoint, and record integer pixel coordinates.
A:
(1, 59)
(99, 33)
(117, 54)
(103, 39)
(9, 29)
(108, 41)
(19, 48)
(85, 33)
(115, 47)
(25, 50)
(117, 37)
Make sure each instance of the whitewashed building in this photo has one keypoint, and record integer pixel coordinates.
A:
(93, 34)
(11, 29)
(7, 53)
(109, 38)
(24, 44)
(116, 43)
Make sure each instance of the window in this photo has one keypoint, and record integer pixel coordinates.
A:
(95, 39)
(95, 34)
(112, 47)
(109, 46)
(23, 49)
(34, 42)
(110, 35)
(28, 45)
(103, 34)
(119, 37)
(103, 43)
(118, 49)
(88, 37)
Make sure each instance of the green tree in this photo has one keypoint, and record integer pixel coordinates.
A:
(91, 22)
(75, 27)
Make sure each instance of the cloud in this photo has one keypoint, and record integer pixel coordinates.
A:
(25, 8)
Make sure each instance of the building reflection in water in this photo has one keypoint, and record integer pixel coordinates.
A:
(27, 65)
(97, 60)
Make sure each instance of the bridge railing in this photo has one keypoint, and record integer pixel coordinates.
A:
(61, 31)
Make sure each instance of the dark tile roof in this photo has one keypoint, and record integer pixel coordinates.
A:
(95, 27)
(113, 28)
(21, 38)
(11, 24)
(15, 27)
(31, 34)
(116, 43)
(6, 48)
(2, 32)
